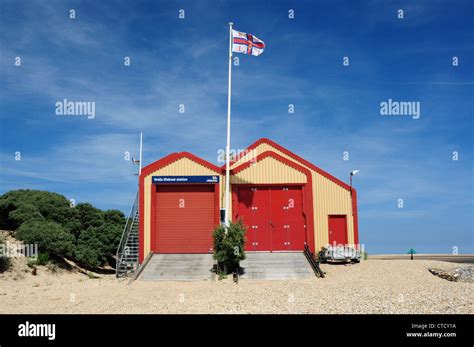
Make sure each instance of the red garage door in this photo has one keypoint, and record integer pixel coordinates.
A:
(274, 217)
(337, 230)
(184, 218)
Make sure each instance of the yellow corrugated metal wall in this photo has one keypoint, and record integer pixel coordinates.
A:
(181, 167)
(269, 170)
(328, 197)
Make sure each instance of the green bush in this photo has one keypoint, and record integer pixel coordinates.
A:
(51, 237)
(114, 216)
(41, 259)
(4, 261)
(90, 257)
(96, 245)
(89, 216)
(25, 213)
(229, 246)
(23, 205)
(83, 232)
(90, 250)
(4, 264)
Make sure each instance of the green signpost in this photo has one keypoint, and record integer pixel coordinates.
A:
(411, 251)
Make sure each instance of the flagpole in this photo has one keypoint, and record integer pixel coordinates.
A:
(227, 160)
(141, 147)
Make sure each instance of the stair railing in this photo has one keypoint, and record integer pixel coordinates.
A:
(126, 232)
(313, 262)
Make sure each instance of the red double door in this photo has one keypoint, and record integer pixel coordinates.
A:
(274, 217)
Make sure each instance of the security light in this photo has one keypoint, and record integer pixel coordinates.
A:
(353, 173)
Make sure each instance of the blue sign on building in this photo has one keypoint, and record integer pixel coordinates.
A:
(184, 179)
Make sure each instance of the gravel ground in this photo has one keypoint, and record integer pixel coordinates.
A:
(373, 286)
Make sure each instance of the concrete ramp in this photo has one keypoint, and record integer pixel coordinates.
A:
(275, 266)
(178, 267)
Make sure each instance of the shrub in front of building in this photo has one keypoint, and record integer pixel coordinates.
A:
(229, 247)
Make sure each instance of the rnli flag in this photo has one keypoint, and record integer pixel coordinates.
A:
(246, 43)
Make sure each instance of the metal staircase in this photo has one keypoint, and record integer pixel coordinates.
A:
(127, 252)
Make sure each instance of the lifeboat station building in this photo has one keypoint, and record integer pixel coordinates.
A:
(285, 202)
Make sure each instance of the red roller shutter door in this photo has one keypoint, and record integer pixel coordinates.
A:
(184, 218)
(274, 217)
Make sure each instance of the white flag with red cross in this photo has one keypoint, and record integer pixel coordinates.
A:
(246, 43)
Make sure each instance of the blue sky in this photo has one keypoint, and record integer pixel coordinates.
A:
(184, 61)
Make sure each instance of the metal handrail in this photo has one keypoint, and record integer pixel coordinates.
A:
(313, 262)
(127, 229)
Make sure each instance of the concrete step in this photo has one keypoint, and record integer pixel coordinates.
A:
(178, 267)
(275, 266)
